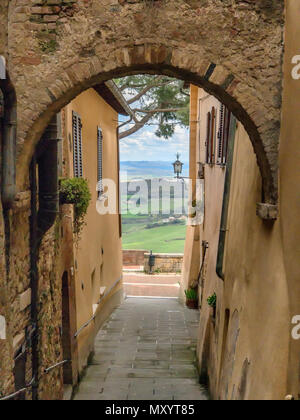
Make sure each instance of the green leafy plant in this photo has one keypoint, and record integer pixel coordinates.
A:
(212, 300)
(191, 294)
(76, 191)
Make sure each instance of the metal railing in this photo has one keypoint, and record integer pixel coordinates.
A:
(99, 301)
(20, 391)
(58, 364)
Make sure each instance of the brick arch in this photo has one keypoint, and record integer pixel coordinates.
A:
(233, 49)
(155, 59)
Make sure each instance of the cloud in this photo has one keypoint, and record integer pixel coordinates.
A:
(145, 145)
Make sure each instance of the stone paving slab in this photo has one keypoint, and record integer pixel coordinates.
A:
(145, 351)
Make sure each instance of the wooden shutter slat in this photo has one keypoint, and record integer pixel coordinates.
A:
(208, 137)
(221, 135)
(227, 118)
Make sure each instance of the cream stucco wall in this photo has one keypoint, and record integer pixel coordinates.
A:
(290, 182)
(98, 255)
(253, 366)
(245, 350)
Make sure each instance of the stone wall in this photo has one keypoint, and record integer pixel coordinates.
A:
(50, 316)
(15, 300)
(6, 378)
(72, 46)
(133, 257)
(14, 287)
(3, 26)
(164, 263)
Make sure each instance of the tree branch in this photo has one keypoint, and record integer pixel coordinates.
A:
(145, 90)
(129, 85)
(158, 110)
(184, 93)
(136, 127)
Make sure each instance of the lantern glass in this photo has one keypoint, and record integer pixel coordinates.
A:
(177, 166)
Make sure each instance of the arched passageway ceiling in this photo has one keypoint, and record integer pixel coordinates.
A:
(232, 48)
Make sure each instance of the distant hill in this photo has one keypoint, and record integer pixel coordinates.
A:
(150, 169)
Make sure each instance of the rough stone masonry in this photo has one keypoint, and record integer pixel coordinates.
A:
(232, 48)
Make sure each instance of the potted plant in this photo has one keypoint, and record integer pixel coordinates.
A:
(212, 302)
(191, 298)
(76, 191)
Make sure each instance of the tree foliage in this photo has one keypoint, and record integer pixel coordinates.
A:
(154, 100)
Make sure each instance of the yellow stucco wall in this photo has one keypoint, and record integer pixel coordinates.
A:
(98, 256)
(255, 292)
(245, 350)
(290, 182)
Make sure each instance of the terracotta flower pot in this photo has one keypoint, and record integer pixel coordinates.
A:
(192, 304)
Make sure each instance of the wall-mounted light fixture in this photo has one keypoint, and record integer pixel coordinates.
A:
(178, 167)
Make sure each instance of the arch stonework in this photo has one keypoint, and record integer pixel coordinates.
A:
(231, 48)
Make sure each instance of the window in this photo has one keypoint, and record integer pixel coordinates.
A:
(77, 145)
(210, 139)
(100, 162)
(223, 135)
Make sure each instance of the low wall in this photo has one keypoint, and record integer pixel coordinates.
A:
(132, 257)
(164, 263)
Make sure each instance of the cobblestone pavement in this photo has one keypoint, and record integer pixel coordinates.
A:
(146, 351)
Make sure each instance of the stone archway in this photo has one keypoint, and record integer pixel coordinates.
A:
(232, 49)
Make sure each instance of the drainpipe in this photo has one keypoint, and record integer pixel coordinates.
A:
(42, 218)
(48, 178)
(34, 278)
(9, 144)
(226, 198)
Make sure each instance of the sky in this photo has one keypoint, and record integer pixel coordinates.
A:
(146, 146)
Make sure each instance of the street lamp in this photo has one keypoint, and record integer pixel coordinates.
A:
(177, 166)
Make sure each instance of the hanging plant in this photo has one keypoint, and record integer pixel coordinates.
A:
(212, 301)
(76, 191)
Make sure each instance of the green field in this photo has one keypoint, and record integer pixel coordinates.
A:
(158, 226)
(163, 239)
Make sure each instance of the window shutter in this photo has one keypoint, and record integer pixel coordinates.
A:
(77, 145)
(208, 137)
(212, 135)
(221, 136)
(226, 124)
(100, 161)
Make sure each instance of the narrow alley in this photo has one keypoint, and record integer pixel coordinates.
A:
(146, 351)
(149, 201)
